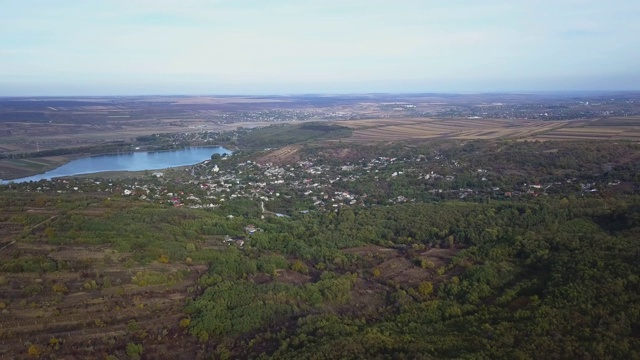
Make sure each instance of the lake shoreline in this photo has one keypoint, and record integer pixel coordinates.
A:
(49, 164)
(15, 171)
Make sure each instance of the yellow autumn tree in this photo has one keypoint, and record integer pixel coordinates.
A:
(425, 288)
(300, 267)
(33, 351)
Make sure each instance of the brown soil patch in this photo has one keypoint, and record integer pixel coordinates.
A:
(439, 257)
(292, 277)
(398, 269)
(74, 253)
(93, 320)
(286, 155)
(413, 276)
(370, 250)
(391, 269)
(346, 154)
(366, 297)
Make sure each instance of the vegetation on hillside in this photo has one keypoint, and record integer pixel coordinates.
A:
(545, 274)
(280, 135)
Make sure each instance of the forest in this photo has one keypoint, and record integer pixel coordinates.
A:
(543, 279)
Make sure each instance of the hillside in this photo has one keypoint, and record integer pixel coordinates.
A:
(404, 250)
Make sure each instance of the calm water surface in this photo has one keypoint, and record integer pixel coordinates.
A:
(130, 162)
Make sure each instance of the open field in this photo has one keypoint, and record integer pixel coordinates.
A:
(627, 128)
(365, 130)
(24, 137)
(28, 124)
(285, 154)
(17, 168)
(463, 129)
(392, 129)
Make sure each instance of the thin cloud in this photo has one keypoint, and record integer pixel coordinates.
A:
(328, 42)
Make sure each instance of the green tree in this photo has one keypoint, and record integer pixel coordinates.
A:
(425, 288)
(300, 267)
(134, 351)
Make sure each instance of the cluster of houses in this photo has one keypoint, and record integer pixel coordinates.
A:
(315, 183)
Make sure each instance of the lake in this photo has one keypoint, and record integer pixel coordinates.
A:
(136, 161)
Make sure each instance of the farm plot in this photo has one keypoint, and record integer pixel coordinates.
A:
(389, 130)
(283, 155)
(601, 129)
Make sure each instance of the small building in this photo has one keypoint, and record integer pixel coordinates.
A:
(250, 229)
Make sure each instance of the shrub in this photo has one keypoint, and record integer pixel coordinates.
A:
(32, 289)
(164, 259)
(54, 343)
(425, 288)
(300, 267)
(33, 351)
(59, 288)
(90, 285)
(427, 264)
(133, 326)
(184, 323)
(134, 350)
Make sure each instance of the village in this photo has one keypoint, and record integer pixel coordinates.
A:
(313, 185)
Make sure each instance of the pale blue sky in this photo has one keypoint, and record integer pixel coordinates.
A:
(112, 47)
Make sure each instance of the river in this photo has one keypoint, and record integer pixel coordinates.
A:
(136, 161)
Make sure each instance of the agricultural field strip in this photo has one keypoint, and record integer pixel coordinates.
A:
(464, 129)
(401, 130)
(492, 128)
(597, 132)
(595, 129)
(363, 125)
(588, 136)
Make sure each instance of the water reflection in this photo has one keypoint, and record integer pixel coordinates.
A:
(129, 162)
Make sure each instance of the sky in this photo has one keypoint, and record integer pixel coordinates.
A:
(155, 47)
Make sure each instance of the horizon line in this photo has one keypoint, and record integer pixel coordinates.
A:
(519, 92)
